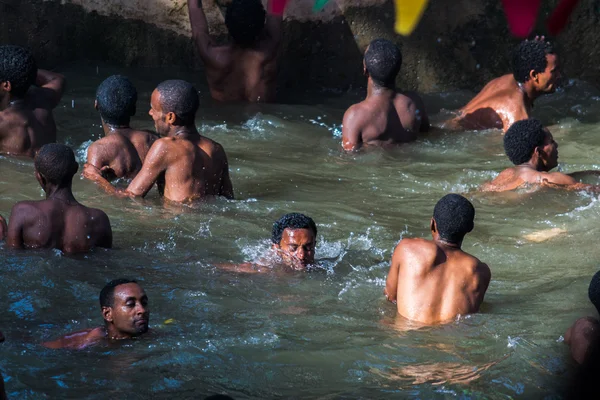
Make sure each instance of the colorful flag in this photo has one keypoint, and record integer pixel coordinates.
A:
(408, 14)
(521, 15)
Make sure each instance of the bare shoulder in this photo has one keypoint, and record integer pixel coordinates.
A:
(411, 246)
(587, 326)
(25, 208)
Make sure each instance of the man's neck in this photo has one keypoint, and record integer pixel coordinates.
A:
(183, 131)
(446, 244)
(114, 128)
(529, 92)
(9, 100)
(114, 334)
(373, 89)
(62, 193)
(534, 165)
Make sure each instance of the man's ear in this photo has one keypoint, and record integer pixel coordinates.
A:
(170, 118)
(433, 225)
(275, 246)
(40, 178)
(533, 75)
(107, 314)
(6, 86)
(96, 105)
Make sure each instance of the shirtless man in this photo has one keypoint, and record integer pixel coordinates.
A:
(510, 98)
(293, 238)
(124, 307)
(585, 332)
(533, 150)
(121, 152)
(26, 120)
(59, 221)
(434, 281)
(246, 69)
(386, 116)
(185, 165)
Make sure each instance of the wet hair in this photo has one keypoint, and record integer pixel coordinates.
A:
(522, 138)
(179, 97)
(245, 21)
(594, 291)
(56, 162)
(18, 67)
(530, 55)
(292, 221)
(116, 98)
(383, 60)
(107, 294)
(453, 216)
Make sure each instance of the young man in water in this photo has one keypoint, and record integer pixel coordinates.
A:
(121, 152)
(246, 69)
(387, 116)
(433, 281)
(26, 120)
(534, 152)
(510, 98)
(59, 221)
(185, 165)
(124, 307)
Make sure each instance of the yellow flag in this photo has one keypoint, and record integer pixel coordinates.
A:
(408, 14)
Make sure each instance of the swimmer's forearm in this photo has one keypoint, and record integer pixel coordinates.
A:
(197, 17)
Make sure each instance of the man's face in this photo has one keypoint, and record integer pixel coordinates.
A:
(549, 153)
(157, 114)
(129, 314)
(547, 80)
(297, 247)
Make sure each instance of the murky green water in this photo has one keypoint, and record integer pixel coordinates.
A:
(326, 334)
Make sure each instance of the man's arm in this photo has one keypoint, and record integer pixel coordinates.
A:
(14, 237)
(391, 283)
(564, 181)
(105, 237)
(3, 228)
(351, 134)
(94, 174)
(52, 85)
(97, 164)
(226, 188)
(274, 23)
(155, 164)
(200, 31)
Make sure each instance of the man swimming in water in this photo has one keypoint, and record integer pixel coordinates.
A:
(434, 281)
(124, 307)
(121, 152)
(246, 69)
(534, 152)
(585, 332)
(59, 221)
(387, 116)
(293, 238)
(26, 120)
(185, 165)
(510, 98)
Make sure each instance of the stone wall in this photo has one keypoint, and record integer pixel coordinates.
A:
(458, 44)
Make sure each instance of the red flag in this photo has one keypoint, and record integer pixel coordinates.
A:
(557, 21)
(277, 6)
(521, 15)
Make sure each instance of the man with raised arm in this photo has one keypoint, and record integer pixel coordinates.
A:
(185, 165)
(124, 307)
(246, 69)
(433, 281)
(510, 98)
(58, 222)
(27, 98)
(387, 116)
(121, 152)
(533, 151)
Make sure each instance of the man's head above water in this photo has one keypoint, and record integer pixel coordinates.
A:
(295, 235)
(116, 98)
(173, 103)
(528, 142)
(535, 63)
(18, 70)
(382, 62)
(453, 217)
(55, 166)
(245, 21)
(125, 310)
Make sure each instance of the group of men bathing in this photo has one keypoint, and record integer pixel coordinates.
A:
(430, 281)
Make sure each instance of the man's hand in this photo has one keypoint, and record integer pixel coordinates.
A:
(3, 230)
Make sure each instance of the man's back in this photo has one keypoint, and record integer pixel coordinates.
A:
(437, 283)
(120, 154)
(26, 125)
(56, 223)
(498, 105)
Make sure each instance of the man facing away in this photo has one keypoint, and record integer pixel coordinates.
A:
(246, 69)
(124, 307)
(59, 221)
(433, 281)
(121, 152)
(386, 116)
(185, 165)
(26, 120)
(533, 151)
(510, 98)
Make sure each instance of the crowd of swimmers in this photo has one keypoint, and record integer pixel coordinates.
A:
(429, 281)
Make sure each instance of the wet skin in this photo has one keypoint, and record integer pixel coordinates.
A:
(127, 318)
(27, 123)
(581, 336)
(297, 247)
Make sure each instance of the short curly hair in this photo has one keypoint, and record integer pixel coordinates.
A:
(530, 55)
(522, 138)
(454, 217)
(56, 162)
(245, 21)
(292, 221)
(18, 67)
(179, 97)
(383, 61)
(116, 97)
